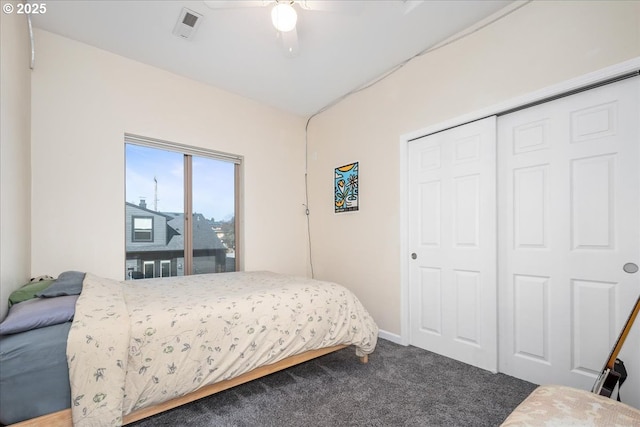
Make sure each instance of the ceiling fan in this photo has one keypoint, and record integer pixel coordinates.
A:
(284, 16)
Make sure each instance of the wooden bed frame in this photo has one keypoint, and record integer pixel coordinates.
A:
(63, 418)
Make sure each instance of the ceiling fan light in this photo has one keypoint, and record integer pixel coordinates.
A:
(284, 17)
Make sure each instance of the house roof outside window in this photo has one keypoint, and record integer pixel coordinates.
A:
(204, 235)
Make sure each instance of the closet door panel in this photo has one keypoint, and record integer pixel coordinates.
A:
(569, 219)
(452, 235)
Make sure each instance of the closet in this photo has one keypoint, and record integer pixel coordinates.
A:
(519, 226)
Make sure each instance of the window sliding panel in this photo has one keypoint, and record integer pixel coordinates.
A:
(213, 215)
(154, 211)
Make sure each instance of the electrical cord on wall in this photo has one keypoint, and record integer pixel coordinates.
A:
(306, 191)
(391, 71)
(32, 59)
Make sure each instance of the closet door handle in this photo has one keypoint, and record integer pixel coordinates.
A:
(630, 268)
(414, 255)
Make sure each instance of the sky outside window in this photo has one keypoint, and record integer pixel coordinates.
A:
(213, 182)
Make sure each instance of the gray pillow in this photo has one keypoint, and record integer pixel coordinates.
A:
(38, 313)
(68, 283)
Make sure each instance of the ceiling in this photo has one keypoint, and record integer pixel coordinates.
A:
(236, 49)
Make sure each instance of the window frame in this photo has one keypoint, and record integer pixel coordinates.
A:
(133, 229)
(164, 262)
(185, 150)
(153, 269)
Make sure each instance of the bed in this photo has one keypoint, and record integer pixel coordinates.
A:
(137, 348)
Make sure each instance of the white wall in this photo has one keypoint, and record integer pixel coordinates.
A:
(15, 169)
(85, 99)
(541, 44)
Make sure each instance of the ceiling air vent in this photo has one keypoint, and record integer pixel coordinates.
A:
(187, 24)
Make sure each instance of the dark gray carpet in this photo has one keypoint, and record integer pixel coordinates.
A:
(400, 386)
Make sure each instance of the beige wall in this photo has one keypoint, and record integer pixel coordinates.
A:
(15, 169)
(541, 44)
(85, 99)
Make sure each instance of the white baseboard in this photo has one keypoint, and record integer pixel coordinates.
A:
(395, 338)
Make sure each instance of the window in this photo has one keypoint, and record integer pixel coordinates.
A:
(182, 206)
(165, 268)
(142, 229)
(149, 269)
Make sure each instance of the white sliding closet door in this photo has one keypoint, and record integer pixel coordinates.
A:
(569, 219)
(452, 237)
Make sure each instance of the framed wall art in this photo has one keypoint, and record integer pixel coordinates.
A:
(346, 188)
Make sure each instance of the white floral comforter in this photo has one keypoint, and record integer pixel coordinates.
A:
(138, 343)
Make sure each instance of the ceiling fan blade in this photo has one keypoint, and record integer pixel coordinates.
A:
(236, 4)
(348, 7)
(289, 43)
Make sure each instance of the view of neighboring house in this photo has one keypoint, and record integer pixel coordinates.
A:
(155, 244)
